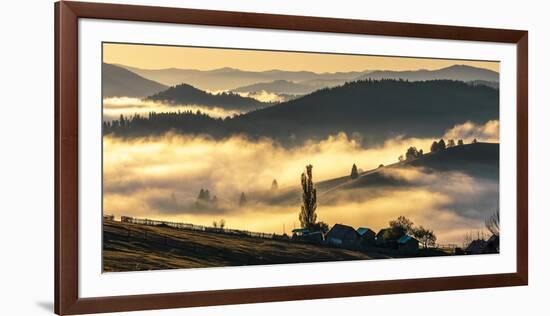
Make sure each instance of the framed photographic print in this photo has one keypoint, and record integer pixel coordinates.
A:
(210, 157)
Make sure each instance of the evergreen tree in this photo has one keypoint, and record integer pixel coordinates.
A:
(242, 199)
(274, 185)
(435, 147)
(201, 195)
(474, 141)
(441, 145)
(450, 143)
(460, 142)
(354, 173)
(412, 153)
(308, 217)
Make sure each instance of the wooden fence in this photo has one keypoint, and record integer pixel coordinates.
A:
(187, 226)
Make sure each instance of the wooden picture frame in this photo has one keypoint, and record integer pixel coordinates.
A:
(67, 14)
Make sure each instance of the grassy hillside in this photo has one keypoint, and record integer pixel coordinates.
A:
(129, 247)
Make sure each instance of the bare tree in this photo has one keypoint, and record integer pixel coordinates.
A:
(426, 236)
(222, 223)
(308, 217)
(492, 223)
(402, 225)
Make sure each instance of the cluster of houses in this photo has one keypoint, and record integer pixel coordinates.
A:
(482, 246)
(343, 236)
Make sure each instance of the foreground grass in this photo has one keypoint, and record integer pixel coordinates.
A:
(129, 247)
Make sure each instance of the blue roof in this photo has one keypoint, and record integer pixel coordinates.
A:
(404, 239)
(362, 230)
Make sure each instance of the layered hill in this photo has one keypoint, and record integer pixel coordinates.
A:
(230, 78)
(119, 82)
(455, 72)
(480, 161)
(376, 110)
(187, 94)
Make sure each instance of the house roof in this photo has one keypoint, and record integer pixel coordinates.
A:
(300, 230)
(341, 231)
(405, 239)
(382, 231)
(363, 230)
(494, 239)
(476, 246)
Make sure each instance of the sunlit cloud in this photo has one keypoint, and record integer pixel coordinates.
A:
(488, 132)
(263, 96)
(160, 177)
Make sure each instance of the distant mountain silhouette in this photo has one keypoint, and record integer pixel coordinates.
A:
(278, 87)
(186, 94)
(231, 78)
(119, 82)
(492, 84)
(456, 72)
(376, 110)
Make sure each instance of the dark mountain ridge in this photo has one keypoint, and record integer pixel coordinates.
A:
(376, 110)
(455, 72)
(187, 94)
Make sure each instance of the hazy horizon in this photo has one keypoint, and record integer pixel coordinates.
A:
(158, 57)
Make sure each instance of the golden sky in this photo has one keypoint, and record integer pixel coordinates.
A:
(159, 57)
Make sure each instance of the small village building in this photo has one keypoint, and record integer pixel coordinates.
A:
(382, 238)
(407, 244)
(476, 247)
(493, 245)
(366, 235)
(305, 235)
(480, 246)
(108, 217)
(342, 236)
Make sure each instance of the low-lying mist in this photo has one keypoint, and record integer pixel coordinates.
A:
(114, 107)
(161, 177)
